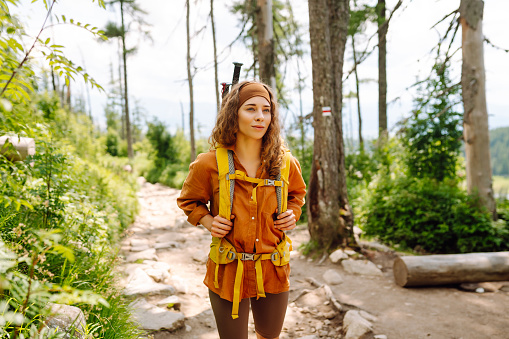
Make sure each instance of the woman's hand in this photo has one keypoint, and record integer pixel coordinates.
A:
(217, 226)
(286, 221)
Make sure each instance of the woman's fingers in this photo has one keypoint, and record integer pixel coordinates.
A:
(221, 226)
(285, 217)
(224, 221)
(286, 221)
(288, 228)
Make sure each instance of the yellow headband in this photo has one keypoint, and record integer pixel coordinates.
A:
(251, 90)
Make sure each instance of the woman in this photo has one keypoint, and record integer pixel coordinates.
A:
(248, 127)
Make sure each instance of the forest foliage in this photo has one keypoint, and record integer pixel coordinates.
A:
(62, 210)
(69, 205)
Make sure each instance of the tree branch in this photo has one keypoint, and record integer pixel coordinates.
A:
(496, 47)
(365, 54)
(29, 51)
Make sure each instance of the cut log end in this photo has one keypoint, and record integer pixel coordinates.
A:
(24, 147)
(400, 272)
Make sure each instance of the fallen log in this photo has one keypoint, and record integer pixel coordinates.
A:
(23, 146)
(451, 269)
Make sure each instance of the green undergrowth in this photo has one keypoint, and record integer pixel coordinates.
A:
(63, 212)
(431, 217)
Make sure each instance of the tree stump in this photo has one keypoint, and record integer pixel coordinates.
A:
(451, 269)
(23, 146)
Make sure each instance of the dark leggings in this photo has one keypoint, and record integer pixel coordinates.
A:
(268, 314)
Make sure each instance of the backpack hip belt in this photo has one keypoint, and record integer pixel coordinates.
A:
(221, 250)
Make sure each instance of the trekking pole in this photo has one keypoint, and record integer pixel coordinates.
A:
(235, 80)
(236, 73)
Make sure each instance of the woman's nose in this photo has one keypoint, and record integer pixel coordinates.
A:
(259, 115)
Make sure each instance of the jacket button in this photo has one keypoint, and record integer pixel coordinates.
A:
(252, 218)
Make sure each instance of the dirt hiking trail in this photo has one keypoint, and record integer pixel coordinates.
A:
(161, 245)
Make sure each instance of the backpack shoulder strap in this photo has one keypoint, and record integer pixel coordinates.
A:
(282, 192)
(225, 167)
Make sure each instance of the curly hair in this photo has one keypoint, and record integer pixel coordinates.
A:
(227, 126)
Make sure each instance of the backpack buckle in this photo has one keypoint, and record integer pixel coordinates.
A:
(247, 256)
(231, 255)
(269, 182)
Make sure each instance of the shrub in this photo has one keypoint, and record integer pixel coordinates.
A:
(431, 216)
(60, 224)
(112, 142)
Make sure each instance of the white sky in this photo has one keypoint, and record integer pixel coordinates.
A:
(157, 73)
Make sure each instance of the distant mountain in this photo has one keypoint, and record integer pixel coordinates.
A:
(499, 148)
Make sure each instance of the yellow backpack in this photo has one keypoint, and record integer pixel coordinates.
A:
(221, 250)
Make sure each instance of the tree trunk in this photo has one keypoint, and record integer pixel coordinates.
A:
(301, 117)
(475, 118)
(53, 82)
(68, 96)
(330, 218)
(451, 269)
(382, 71)
(190, 81)
(266, 55)
(216, 78)
(121, 91)
(130, 152)
(361, 141)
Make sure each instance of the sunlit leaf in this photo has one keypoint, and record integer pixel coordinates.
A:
(66, 252)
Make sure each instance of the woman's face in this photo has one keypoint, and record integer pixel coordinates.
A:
(254, 118)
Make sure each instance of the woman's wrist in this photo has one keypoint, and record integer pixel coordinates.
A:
(206, 221)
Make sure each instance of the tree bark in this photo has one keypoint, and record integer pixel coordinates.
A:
(451, 269)
(330, 217)
(361, 141)
(68, 96)
(301, 117)
(130, 152)
(382, 71)
(265, 31)
(216, 78)
(121, 92)
(475, 118)
(190, 81)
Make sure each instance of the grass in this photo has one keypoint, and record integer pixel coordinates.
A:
(501, 185)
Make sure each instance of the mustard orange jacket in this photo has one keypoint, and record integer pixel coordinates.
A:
(253, 226)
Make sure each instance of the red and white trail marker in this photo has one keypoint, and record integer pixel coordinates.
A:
(326, 111)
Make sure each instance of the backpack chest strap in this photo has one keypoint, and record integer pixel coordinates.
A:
(240, 175)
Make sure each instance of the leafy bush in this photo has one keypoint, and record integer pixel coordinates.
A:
(61, 218)
(161, 140)
(427, 215)
(165, 158)
(113, 142)
(503, 209)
